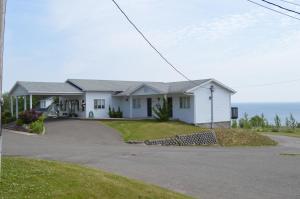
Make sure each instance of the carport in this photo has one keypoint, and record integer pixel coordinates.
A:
(27, 90)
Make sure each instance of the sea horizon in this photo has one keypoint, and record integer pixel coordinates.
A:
(269, 109)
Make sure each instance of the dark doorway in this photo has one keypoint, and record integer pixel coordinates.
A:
(170, 104)
(149, 107)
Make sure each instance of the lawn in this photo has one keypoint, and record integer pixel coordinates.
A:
(296, 133)
(28, 178)
(150, 129)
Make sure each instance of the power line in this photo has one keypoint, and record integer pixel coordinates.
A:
(295, 4)
(271, 83)
(282, 13)
(151, 45)
(281, 7)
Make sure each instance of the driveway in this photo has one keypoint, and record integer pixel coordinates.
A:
(203, 172)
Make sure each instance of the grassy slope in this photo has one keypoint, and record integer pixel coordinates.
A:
(27, 178)
(148, 129)
(285, 133)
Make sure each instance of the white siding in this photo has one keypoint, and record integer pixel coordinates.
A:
(98, 113)
(186, 115)
(222, 104)
(124, 105)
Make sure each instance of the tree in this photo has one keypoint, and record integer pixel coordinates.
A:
(293, 122)
(162, 113)
(277, 121)
(257, 121)
(244, 122)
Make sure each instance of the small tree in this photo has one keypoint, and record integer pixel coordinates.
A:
(277, 121)
(257, 121)
(244, 122)
(234, 124)
(162, 113)
(287, 122)
(293, 122)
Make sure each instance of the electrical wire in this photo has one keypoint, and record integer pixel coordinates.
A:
(295, 4)
(281, 7)
(282, 13)
(151, 45)
(271, 83)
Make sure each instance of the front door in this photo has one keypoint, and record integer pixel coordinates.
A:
(149, 107)
(170, 104)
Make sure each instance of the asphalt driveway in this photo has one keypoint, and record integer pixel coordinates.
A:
(203, 172)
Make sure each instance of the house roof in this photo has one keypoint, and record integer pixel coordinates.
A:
(124, 88)
(121, 88)
(45, 88)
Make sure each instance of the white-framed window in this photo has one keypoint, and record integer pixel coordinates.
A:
(184, 102)
(136, 103)
(99, 103)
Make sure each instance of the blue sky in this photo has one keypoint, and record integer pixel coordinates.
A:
(233, 41)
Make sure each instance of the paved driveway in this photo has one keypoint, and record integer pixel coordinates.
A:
(204, 172)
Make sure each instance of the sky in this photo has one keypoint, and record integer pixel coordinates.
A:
(233, 41)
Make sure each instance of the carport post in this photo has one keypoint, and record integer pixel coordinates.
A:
(30, 101)
(25, 103)
(11, 106)
(17, 108)
(130, 106)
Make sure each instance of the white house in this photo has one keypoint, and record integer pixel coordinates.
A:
(190, 101)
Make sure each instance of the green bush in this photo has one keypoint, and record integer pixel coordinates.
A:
(115, 114)
(234, 124)
(162, 114)
(19, 122)
(7, 118)
(244, 122)
(37, 127)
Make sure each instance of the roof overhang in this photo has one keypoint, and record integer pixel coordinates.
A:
(211, 81)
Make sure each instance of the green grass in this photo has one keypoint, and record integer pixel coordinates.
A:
(28, 178)
(151, 129)
(296, 133)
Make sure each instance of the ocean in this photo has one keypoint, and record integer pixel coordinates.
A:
(269, 110)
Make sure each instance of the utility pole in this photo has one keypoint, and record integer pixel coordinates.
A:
(212, 89)
(2, 26)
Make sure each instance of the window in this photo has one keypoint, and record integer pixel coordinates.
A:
(184, 102)
(43, 104)
(136, 103)
(99, 104)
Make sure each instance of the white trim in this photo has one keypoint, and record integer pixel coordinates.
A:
(139, 87)
(30, 102)
(210, 81)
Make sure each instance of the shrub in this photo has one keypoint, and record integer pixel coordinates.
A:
(244, 122)
(234, 124)
(277, 121)
(37, 127)
(119, 113)
(162, 113)
(19, 122)
(29, 116)
(7, 118)
(293, 122)
(115, 114)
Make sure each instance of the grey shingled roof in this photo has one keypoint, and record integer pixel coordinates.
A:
(47, 87)
(122, 88)
(127, 87)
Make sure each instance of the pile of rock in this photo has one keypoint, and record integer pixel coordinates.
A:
(205, 138)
